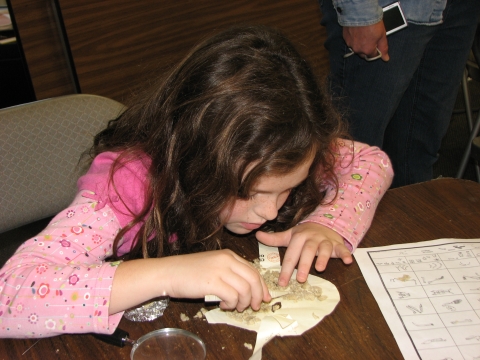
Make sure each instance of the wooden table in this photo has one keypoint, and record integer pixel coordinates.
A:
(445, 208)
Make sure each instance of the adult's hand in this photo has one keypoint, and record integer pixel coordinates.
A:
(364, 40)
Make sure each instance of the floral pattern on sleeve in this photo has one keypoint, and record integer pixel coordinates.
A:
(58, 282)
(364, 174)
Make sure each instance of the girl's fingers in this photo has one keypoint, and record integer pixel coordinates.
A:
(324, 254)
(307, 256)
(290, 260)
(235, 293)
(343, 253)
(307, 241)
(249, 284)
(222, 273)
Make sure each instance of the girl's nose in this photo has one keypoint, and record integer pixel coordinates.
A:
(267, 210)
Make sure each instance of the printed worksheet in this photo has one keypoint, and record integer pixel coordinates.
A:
(429, 294)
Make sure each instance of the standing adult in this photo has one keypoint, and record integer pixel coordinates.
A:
(402, 104)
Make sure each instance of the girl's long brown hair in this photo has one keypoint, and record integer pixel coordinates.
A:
(243, 96)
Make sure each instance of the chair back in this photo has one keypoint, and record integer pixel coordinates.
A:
(40, 148)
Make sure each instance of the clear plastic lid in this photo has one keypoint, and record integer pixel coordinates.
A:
(169, 343)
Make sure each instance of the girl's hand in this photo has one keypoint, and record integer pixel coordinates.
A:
(304, 242)
(222, 273)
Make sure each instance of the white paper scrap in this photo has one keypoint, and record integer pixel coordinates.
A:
(269, 256)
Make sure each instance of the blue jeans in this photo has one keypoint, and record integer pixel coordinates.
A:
(404, 106)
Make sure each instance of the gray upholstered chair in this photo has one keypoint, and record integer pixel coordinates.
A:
(40, 148)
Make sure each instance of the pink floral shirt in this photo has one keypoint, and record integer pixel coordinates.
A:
(59, 282)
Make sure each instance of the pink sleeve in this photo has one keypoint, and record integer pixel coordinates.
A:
(125, 194)
(58, 281)
(364, 174)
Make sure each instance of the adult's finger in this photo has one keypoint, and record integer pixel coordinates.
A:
(383, 47)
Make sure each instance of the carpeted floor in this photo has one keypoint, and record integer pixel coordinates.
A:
(455, 140)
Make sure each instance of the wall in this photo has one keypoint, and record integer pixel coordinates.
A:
(118, 44)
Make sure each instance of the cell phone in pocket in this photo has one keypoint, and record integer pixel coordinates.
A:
(393, 18)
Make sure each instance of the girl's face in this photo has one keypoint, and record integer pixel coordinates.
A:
(266, 198)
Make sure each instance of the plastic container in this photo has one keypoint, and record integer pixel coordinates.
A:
(169, 343)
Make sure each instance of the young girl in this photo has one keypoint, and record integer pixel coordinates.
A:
(236, 136)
